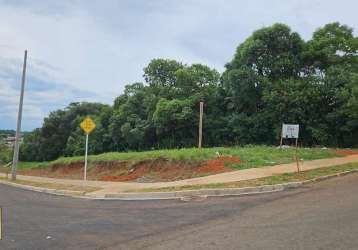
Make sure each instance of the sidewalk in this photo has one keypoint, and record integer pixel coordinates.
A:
(240, 175)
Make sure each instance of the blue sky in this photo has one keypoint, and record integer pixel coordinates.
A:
(89, 50)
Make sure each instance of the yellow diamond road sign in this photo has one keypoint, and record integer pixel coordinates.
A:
(88, 125)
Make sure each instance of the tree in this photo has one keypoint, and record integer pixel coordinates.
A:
(273, 52)
(192, 80)
(244, 89)
(274, 77)
(298, 102)
(50, 141)
(161, 72)
(334, 44)
(174, 120)
(30, 148)
(5, 154)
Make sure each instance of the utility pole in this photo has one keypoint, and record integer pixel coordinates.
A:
(201, 124)
(18, 127)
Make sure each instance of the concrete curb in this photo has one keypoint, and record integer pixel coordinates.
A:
(184, 195)
(220, 192)
(203, 192)
(44, 190)
(322, 178)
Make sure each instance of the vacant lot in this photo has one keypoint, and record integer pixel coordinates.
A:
(169, 165)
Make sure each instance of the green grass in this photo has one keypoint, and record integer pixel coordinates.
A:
(272, 180)
(29, 165)
(251, 156)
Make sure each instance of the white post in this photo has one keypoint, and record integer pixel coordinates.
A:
(18, 127)
(85, 170)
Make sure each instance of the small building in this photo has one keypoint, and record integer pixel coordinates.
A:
(10, 141)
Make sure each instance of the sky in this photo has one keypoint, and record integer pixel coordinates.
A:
(88, 50)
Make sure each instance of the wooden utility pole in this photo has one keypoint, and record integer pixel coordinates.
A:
(297, 160)
(18, 127)
(201, 124)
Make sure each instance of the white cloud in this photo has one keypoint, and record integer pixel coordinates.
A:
(42, 93)
(99, 46)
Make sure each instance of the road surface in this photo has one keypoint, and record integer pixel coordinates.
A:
(320, 216)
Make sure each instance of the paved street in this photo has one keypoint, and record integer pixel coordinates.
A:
(319, 216)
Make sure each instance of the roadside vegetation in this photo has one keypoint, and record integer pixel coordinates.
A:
(5, 154)
(274, 77)
(272, 180)
(250, 156)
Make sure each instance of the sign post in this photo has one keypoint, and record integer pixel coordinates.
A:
(86, 153)
(290, 131)
(88, 126)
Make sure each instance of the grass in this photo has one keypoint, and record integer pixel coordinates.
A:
(29, 165)
(272, 180)
(52, 185)
(251, 156)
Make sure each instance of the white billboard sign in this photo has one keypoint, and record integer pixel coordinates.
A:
(290, 130)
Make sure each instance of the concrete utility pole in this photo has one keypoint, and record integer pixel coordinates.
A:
(19, 117)
(201, 124)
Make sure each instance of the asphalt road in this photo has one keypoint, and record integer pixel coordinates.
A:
(320, 216)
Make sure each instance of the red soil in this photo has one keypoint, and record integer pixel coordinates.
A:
(346, 151)
(160, 169)
(217, 165)
(155, 170)
(119, 178)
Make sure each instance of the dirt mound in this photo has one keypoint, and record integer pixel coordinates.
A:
(346, 151)
(70, 171)
(217, 165)
(160, 169)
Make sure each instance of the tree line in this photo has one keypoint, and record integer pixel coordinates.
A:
(274, 77)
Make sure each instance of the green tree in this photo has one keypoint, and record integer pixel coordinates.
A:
(174, 120)
(161, 72)
(195, 79)
(50, 141)
(5, 154)
(273, 52)
(274, 77)
(244, 89)
(334, 44)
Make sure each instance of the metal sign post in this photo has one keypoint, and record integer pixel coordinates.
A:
(88, 126)
(85, 171)
(291, 131)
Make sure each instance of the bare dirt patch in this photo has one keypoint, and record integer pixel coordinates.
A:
(217, 165)
(346, 151)
(159, 169)
(155, 170)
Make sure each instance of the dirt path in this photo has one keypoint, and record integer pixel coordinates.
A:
(246, 174)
